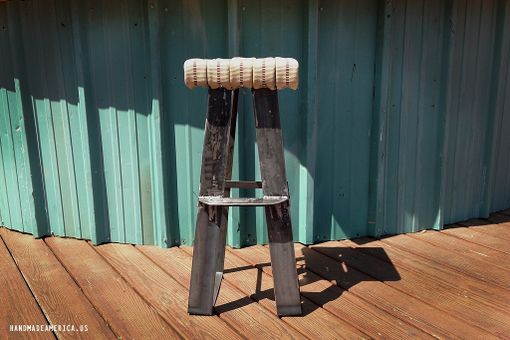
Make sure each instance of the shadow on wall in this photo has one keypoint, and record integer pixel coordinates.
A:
(100, 139)
(89, 97)
(119, 136)
(113, 136)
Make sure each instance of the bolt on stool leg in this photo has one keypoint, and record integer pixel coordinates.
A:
(274, 183)
(210, 233)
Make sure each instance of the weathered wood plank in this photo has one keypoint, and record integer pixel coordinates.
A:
(471, 243)
(501, 230)
(315, 322)
(422, 294)
(58, 295)
(481, 236)
(404, 306)
(462, 284)
(128, 315)
(164, 293)
(18, 304)
(238, 310)
(468, 264)
(375, 322)
(434, 293)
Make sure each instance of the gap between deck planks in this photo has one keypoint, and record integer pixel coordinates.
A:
(128, 315)
(315, 322)
(435, 293)
(249, 318)
(425, 245)
(364, 316)
(350, 289)
(161, 290)
(368, 293)
(58, 295)
(494, 235)
(19, 306)
(463, 283)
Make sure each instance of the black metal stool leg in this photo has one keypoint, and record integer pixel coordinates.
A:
(210, 234)
(205, 280)
(228, 176)
(283, 260)
(274, 183)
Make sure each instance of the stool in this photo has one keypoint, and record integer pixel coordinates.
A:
(223, 79)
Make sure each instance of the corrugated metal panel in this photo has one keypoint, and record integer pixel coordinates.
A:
(499, 178)
(408, 114)
(400, 122)
(471, 81)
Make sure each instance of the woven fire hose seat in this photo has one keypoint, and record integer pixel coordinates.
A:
(218, 73)
(241, 72)
(252, 73)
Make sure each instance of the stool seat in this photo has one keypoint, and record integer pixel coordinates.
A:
(272, 73)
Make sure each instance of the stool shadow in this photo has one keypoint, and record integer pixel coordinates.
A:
(325, 273)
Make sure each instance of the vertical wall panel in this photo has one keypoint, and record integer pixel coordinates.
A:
(346, 59)
(10, 166)
(409, 109)
(499, 178)
(468, 107)
(22, 176)
(12, 213)
(400, 122)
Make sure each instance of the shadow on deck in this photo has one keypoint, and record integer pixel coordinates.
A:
(453, 283)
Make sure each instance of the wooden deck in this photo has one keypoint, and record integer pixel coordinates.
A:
(449, 284)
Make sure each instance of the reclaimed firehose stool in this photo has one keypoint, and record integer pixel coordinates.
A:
(224, 78)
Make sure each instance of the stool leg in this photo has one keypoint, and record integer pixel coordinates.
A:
(205, 279)
(210, 233)
(274, 183)
(283, 260)
(228, 176)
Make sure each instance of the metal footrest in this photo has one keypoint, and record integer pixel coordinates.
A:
(242, 202)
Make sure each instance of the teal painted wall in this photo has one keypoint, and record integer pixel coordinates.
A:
(401, 122)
